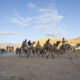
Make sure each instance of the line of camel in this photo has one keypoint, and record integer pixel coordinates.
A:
(47, 50)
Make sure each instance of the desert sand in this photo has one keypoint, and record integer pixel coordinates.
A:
(63, 67)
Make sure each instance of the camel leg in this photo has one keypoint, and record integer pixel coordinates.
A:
(33, 52)
(27, 55)
(42, 54)
(52, 55)
(38, 53)
(19, 53)
(48, 54)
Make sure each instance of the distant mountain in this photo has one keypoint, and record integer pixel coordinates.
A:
(8, 44)
(42, 41)
(53, 40)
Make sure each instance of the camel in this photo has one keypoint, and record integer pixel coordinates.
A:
(38, 48)
(27, 50)
(23, 52)
(50, 49)
(32, 49)
(77, 45)
(42, 51)
(47, 49)
(68, 47)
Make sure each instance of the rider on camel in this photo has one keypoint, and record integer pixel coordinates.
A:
(24, 43)
(38, 44)
(29, 42)
(63, 42)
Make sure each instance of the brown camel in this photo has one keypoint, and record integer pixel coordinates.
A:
(50, 49)
(38, 48)
(68, 48)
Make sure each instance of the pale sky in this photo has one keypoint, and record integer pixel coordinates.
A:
(34, 19)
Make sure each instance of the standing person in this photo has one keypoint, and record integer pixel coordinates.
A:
(12, 48)
(17, 50)
(7, 48)
(2, 50)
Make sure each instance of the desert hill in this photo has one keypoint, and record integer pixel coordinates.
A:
(52, 40)
(4, 46)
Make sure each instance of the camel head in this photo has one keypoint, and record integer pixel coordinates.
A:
(58, 42)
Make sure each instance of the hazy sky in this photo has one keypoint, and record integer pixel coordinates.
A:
(34, 19)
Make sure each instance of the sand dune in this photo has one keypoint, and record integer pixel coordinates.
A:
(52, 40)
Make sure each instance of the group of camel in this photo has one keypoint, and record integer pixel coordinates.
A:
(48, 50)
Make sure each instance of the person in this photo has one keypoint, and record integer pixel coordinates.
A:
(2, 50)
(7, 48)
(38, 44)
(29, 42)
(17, 49)
(63, 41)
(24, 43)
(12, 48)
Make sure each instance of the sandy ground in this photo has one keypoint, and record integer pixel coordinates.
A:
(63, 67)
